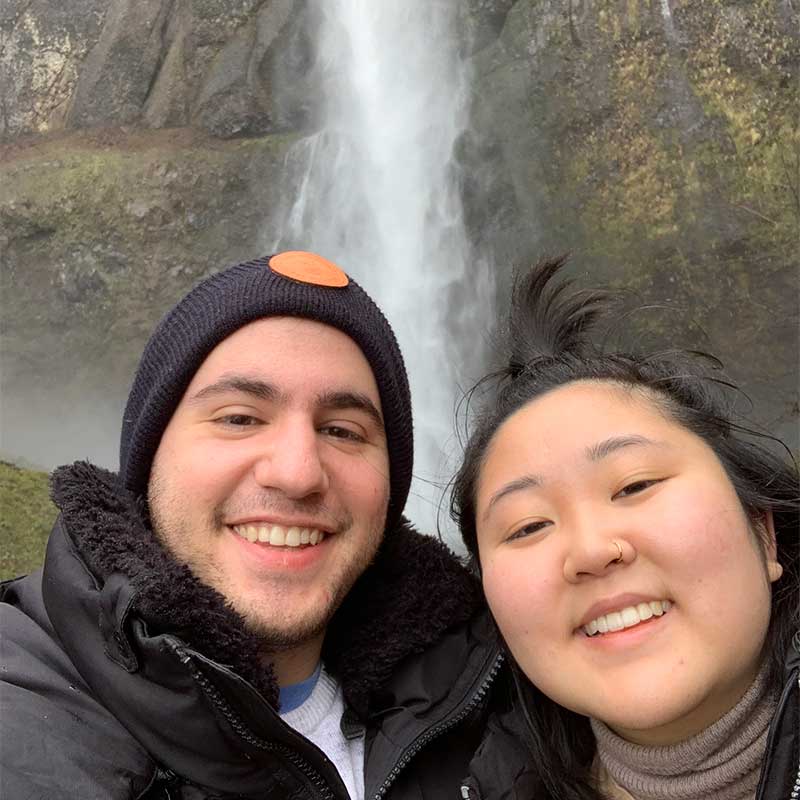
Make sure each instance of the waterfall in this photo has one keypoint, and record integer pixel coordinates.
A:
(376, 189)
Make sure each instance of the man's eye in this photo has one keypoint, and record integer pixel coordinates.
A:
(528, 530)
(339, 432)
(238, 420)
(635, 488)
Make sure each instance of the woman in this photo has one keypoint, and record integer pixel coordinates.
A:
(640, 559)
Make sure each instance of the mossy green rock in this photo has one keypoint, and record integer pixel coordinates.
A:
(660, 143)
(26, 517)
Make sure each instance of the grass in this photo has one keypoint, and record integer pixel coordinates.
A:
(26, 517)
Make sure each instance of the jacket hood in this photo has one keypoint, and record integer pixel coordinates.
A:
(412, 593)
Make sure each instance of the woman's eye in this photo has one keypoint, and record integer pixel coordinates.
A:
(528, 530)
(635, 488)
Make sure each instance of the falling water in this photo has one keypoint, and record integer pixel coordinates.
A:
(377, 190)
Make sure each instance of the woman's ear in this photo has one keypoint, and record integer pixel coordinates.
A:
(774, 569)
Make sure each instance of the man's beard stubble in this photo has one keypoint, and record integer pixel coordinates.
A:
(165, 516)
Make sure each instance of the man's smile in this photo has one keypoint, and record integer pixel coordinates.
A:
(279, 535)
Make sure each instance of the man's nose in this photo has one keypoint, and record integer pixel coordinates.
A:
(292, 461)
(597, 542)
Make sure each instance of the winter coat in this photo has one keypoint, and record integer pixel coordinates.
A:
(123, 676)
(502, 768)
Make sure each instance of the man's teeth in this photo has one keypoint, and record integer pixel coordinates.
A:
(279, 536)
(627, 617)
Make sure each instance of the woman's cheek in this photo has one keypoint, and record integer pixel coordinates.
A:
(498, 587)
(511, 590)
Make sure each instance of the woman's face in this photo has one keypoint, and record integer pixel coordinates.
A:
(580, 475)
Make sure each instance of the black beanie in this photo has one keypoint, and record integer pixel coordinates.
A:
(231, 299)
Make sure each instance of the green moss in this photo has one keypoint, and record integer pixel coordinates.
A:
(26, 517)
(745, 75)
(77, 190)
(677, 149)
(665, 155)
(629, 174)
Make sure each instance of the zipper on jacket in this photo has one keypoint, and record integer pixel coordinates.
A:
(167, 780)
(244, 732)
(795, 793)
(442, 727)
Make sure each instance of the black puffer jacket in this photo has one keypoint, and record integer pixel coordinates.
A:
(502, 768)
(125, 677)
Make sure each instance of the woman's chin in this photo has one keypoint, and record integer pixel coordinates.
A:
(657, 721)
(649, 711)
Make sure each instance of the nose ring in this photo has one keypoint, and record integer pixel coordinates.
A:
(618, 559)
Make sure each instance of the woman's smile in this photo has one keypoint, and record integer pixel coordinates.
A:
(629, 616)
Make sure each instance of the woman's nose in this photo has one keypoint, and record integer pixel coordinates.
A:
(596, 546)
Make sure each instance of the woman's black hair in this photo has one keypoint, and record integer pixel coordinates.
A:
(551, 341)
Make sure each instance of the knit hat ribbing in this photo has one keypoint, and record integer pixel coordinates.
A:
(229, 300)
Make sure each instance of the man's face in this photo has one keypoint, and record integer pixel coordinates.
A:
(271, 480)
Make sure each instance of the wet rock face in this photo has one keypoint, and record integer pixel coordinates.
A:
(145, 144)
(230, 69)
(659, 143)
(259, 82)
(42, 44)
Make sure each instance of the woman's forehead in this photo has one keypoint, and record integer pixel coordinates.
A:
(579, 411)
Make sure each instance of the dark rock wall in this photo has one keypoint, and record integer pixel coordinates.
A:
(144, 145)
(225, 68)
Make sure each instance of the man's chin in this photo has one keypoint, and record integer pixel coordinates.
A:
(285, 635)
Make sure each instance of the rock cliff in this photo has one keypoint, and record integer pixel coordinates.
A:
(144, 145)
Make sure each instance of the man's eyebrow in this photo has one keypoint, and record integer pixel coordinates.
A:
(263, 390)
(517, 485)
(601, 450)
(237, 383)
(350, 400)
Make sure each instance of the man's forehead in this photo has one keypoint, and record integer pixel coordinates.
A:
(285, 352)
(282, 324)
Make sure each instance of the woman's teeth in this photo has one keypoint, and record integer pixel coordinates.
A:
(278, 536)
(626, 617)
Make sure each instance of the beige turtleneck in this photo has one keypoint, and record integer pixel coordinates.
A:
(723, 762)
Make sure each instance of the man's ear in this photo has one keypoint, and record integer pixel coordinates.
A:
(774, 569)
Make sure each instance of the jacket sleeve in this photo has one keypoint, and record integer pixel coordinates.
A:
(56, 741)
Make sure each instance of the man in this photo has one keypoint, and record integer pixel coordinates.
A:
(243, 611)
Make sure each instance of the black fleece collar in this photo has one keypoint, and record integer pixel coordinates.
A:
(413, 592)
